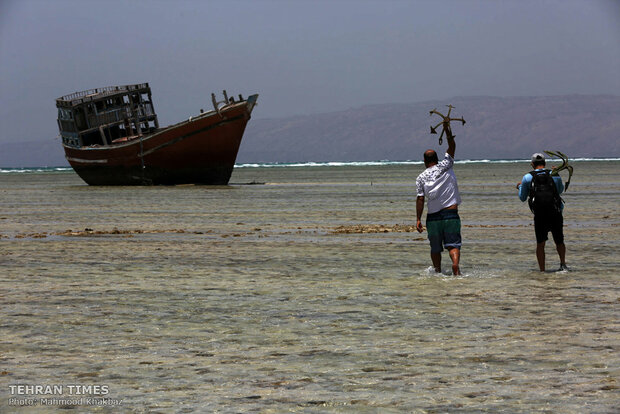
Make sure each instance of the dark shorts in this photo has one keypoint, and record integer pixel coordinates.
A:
(444, 230)
(545, 223)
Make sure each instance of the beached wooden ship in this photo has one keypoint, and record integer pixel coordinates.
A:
(111, 136)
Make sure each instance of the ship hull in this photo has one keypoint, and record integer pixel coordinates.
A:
(202, 150)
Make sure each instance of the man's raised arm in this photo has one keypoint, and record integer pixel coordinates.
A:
(451, 143)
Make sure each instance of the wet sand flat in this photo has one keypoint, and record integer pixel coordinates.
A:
(310, 292)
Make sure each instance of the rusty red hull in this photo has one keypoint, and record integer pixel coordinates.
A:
(202, 150)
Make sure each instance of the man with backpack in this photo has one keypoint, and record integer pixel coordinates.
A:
(542, 190)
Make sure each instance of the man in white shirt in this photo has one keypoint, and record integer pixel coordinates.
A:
(438, 185)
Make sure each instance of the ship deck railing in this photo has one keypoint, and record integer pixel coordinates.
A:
(119, 115)
(101, 92)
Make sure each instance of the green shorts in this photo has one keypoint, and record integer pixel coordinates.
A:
(444, 230)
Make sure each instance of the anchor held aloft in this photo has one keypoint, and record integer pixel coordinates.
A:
(445, 123)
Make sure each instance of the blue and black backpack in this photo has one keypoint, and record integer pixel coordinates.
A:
(544, 196)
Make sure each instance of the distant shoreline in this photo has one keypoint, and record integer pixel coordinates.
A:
(59, 169)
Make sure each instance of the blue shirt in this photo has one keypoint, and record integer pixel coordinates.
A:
(526, 183)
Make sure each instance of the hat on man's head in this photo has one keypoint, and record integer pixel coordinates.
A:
(538, 157)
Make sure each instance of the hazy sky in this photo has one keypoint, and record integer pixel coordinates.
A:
(302, 56)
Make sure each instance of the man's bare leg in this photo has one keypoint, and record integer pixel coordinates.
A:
(436, 258)
(561, 248)
(540, 255)
(455, 255)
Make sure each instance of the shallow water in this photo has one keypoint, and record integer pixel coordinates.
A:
(246, 298)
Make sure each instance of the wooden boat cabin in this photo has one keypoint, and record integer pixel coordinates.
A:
(106, 116)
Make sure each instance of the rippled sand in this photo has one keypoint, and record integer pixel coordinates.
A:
(309, 293)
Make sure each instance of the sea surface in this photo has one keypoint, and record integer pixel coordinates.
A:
(304, 288)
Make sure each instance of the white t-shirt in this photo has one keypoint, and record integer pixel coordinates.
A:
(438, 185)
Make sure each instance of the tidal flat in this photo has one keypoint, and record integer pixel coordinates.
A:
(309, 292)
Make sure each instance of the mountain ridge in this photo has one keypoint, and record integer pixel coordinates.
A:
(497, 128)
